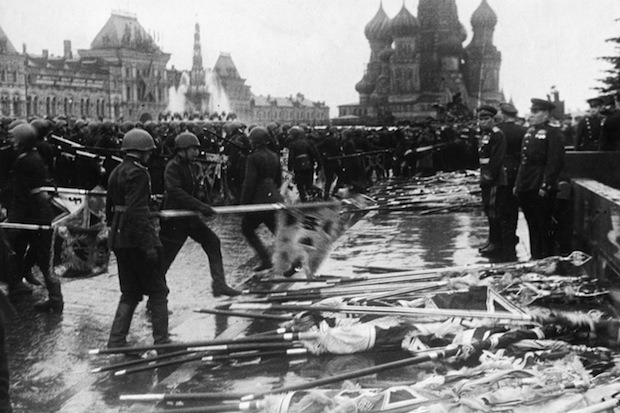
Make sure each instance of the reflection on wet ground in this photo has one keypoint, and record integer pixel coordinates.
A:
(50, 367)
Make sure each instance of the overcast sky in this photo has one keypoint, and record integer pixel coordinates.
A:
(318, 47)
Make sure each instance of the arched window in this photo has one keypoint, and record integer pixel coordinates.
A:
(48, 102)
(66, 106)
(53, 106)
(35, 105)
(70, 106)
(87, 107)
(29, 110)
(5, 107)
(102, 114)
(17, 107)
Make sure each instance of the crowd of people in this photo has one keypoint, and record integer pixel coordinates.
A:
(520, 162)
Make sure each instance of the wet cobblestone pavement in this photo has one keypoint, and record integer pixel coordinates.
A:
(48, 354)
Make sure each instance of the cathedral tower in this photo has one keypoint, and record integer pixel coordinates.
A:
(483, 58)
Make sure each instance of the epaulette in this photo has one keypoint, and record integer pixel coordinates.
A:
(139, 165)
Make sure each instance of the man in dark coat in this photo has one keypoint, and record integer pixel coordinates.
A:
(302, 160)
(542, 159)
(493, 180)
(589, 127)
(134, 240)
(30, 205)
(510, 212)
(184, 191)
(610, 130)
(329, 147)
(263, 178)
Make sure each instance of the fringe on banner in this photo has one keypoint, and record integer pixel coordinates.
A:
(84, 236)
(305, 237)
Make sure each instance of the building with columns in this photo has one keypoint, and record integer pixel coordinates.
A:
(418, 64)
(122, 75)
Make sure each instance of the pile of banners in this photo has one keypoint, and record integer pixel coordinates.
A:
(485, 338)
(442, 192)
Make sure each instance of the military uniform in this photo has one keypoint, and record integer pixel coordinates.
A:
(542, 158)
(588, 134)
(493, 183)
(302, 156)
(610, 132)
(330, 148)
(263, 178)
(510, 212)
(134, 240)
(183, 191)
(30, 206)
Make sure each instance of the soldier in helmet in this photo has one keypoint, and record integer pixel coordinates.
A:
(263, 179)
(329, 147)
(134, 241)
(183, 191)
(302, 158)
(29, 205)
(237, 149)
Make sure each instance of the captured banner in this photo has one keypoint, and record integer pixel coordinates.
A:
(305, 237)
(80, 244)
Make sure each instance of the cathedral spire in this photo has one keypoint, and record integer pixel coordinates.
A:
(197, 60)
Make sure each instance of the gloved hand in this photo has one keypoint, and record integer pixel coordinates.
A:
(207, 211)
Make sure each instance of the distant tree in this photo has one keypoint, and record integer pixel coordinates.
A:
(612, 81)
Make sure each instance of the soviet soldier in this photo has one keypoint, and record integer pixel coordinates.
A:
(263, 179)
(134, 241)
(542, 159)
(302, 158)
(493, 180)
(183, 191)
(30, 205)
(510, 212)
(589, 128)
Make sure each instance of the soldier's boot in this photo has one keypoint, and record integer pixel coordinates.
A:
(261, 251)
(509, 242)
(54, 303)
(121, 324)
(159, 316)
(495, 239)
(219, 287)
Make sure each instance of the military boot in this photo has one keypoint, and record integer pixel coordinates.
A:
(55, 303)
(121, 324)
(159, 317)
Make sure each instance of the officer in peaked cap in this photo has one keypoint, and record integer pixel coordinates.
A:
(542, 158)
(492, 150)
(514, 133)
(610, 130)
(508, 109)
(589, 127)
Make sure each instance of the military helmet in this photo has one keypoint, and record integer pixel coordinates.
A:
(259, 136)
(15, 123)
(126, 126)
(186, 140)
(41, 126)
(24, 135)
(137, 140)
(296, 132)
(233, 128)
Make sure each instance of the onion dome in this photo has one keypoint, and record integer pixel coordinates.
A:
(385, 55)
(379, 27)
(404, 24)
(484, 15)
(364, 87)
